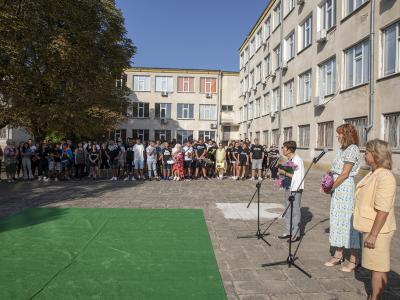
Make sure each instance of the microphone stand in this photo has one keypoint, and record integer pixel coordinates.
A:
(290, 260)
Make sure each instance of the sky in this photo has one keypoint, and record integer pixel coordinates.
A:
(205, 34)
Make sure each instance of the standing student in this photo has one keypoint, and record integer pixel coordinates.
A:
(43, 155)
(166, 156)
(104, 163)
(138, 149)
(273, 155)
(257, 157)
(220, 161)
(151, 160)
(130, 155)
(244, 156)
(26, 155)
(79, 161)
(1, 159)
(188, 153)
(10, 160)
(178, 168)
(235, 160)
(112, 153)
(295, 189)
(201, 152)
(94, 157)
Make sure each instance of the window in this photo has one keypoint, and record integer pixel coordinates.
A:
(265, 137)
(246, 83)
(289, 46)
(252, 47)
(304, 136)
(305, 87)
(391, 49)
(250, 111)
(259, 38)
(251, 79)
(141, 83)
(207, 135)
(265, 104)
(142, 134)
(208, 85)
(288, 94)
(277, 15)
(257, 108)
(246, 55)
(392, 130)
(327, 14)
(287, 134)
(185, 84)
(267, 28)
(162, 135)
(258, 136)
(164, 84)
(276, 96)
(267, 65)
(227, 108)
(288, 7)
(245, 113)
(357, 64)
(3, 133)
(120, 134)
(325, 135)
(163, 111)
(140, 110)
(242, 90)
(360, 124)
(352, 5)
(275, 137)
(182, 136)
(208, 112)
(258, 73)
(305, 33)
(185, 111)
(277, 57)
(327, 77)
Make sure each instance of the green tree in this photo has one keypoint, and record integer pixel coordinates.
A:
(59, 61)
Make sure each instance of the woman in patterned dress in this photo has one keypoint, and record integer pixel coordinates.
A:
(344, 167)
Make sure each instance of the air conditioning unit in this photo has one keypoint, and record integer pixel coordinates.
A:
(213, 126)
(318, 101)
(321, 36)
(164, 121)
(164, 94)
(273, 74)
(300, 2)
(273, 114)
(208, 95)
(284, 65)
(243, 94)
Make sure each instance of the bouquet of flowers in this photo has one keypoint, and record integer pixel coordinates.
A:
(327, 182)
(283, 182)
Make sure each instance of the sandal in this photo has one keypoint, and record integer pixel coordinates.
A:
(350, 267)
(334, 261)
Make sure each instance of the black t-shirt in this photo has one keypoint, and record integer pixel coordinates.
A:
(113, 151)
(94, 154)
(257, 151)
(167, 153)
(234, 153)
(43, 153)
(130, 154)
(200, 148)
(56, 153)
(273, 153)
(243, 154)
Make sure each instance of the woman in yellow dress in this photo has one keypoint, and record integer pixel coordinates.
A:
(220, 161)
(374, 213)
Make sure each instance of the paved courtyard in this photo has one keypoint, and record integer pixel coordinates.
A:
(239, 260)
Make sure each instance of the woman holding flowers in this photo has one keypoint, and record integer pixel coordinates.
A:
(293, 173)
(344, 167)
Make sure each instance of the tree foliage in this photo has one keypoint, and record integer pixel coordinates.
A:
(59, 61)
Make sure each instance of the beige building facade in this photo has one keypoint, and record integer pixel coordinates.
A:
(308, 66)
(181, 104)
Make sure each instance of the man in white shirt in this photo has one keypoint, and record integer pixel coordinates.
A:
(296, 189)
(138, 151)
(188, 152)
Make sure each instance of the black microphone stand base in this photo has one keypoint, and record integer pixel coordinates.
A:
(289, 262)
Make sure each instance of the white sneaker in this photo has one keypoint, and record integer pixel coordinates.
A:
(260, 179)
(46, 179)
(133, 178)
(252, 178)
(112, 178)
(126, 179)
(56, 179)
(40, 178)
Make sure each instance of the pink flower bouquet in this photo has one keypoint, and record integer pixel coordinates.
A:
(284, 182)
(327, 182)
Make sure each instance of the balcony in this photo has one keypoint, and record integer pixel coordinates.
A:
(228, 118)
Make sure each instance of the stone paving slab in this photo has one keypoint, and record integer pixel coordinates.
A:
(239, 260)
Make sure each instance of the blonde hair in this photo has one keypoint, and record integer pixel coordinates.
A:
(381, 152)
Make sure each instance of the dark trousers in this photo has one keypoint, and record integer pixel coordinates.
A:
(44, 167)
(79, 169)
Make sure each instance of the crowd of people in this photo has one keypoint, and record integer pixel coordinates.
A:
(134, 160)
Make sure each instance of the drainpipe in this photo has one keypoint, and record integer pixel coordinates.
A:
(219, 110)
(280, 74)
(371, 109)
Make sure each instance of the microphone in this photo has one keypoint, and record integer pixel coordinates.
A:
(316, 159)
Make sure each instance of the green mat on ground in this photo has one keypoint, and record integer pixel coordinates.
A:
(98, 253)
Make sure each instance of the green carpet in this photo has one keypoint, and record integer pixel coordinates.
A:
(98, 253)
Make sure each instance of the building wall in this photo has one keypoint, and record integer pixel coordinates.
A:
(16, 134)
(225, 94)
(344, 103)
